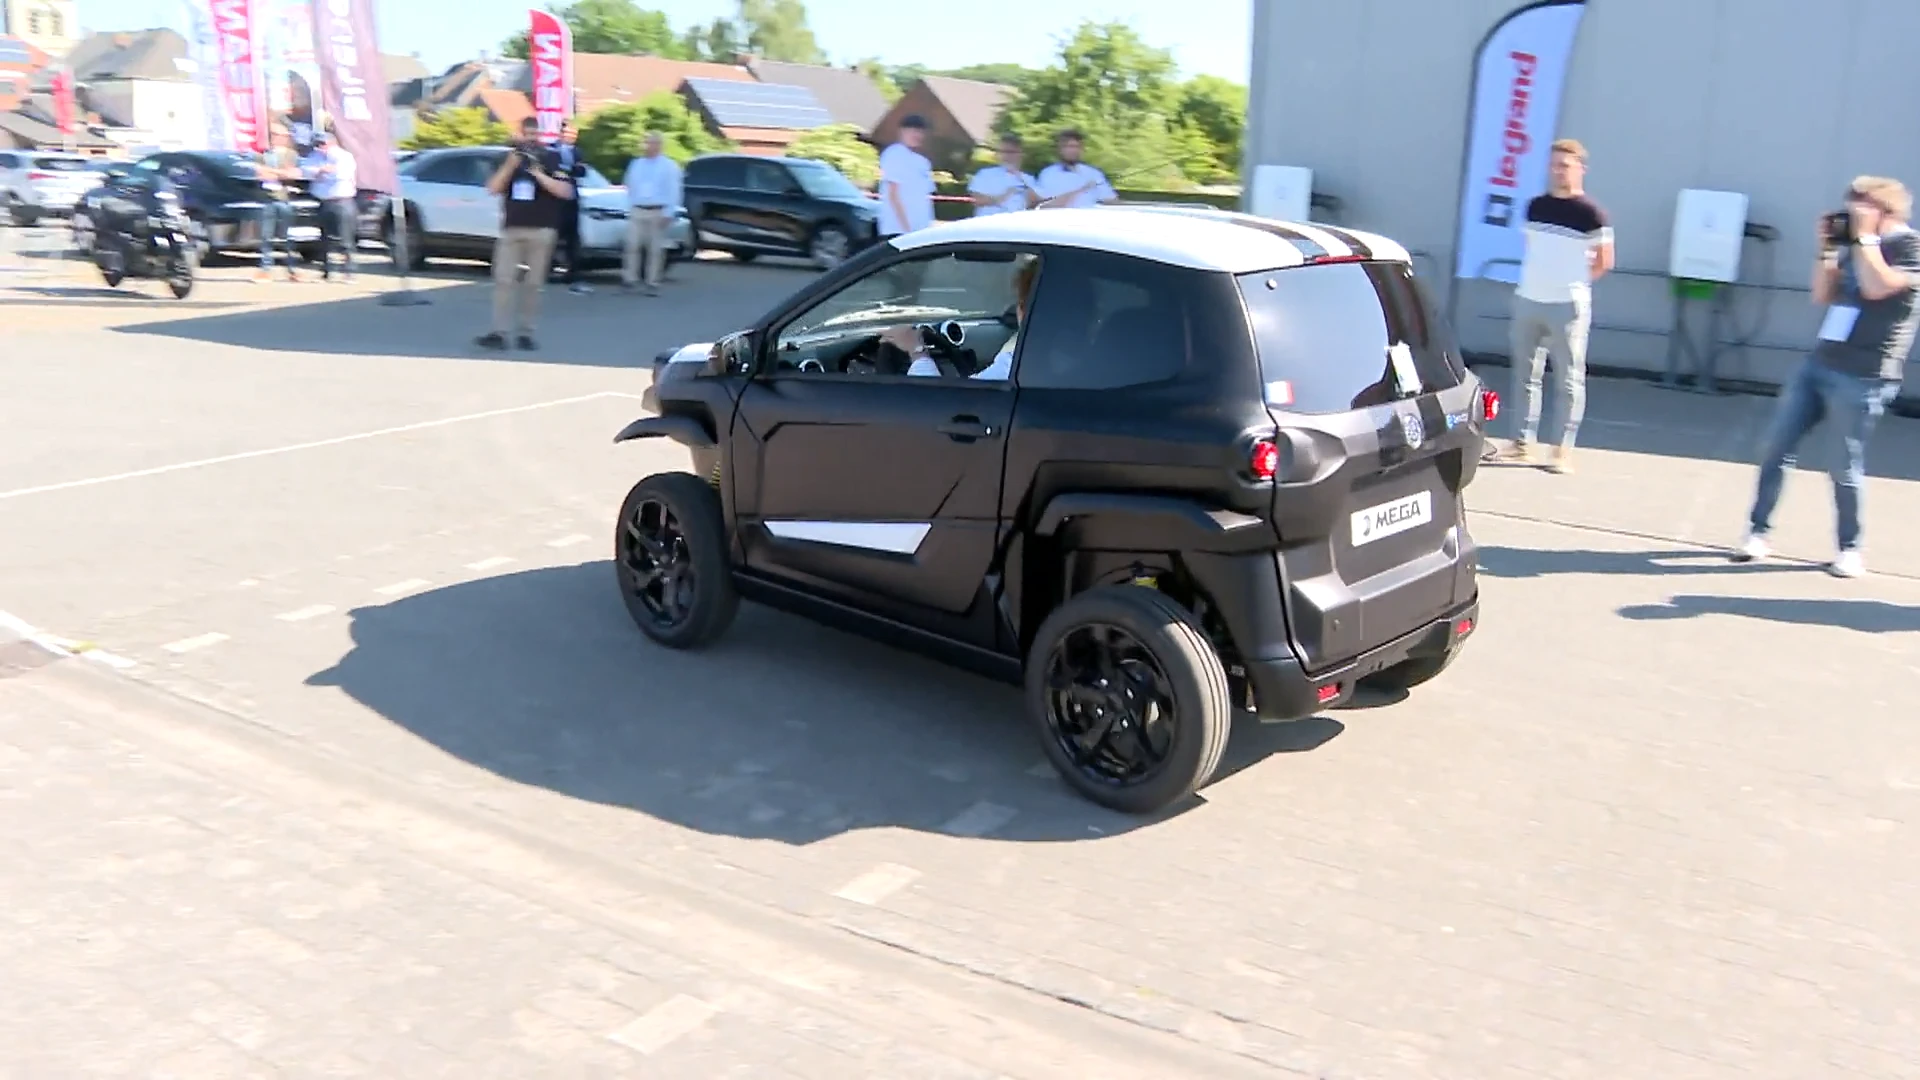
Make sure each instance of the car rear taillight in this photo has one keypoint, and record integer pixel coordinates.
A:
(36, 175)
(1489, 406)
(1263, 461)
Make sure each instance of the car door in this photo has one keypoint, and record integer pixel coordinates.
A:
(449, 189)
(717, 196)
(778, 212)
(603, 212)
(877, 490)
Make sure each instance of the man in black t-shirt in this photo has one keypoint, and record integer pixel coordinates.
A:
(1870, 282)
(534, 192)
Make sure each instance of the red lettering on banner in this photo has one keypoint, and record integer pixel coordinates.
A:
(1516, 140)
(233, 30)
(550, 49)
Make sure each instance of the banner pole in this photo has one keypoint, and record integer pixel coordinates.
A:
(405, 295)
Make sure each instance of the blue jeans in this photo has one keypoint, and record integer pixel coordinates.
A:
(1817, 392)
(276, 217)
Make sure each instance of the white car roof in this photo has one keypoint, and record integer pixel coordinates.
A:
(1194, 237)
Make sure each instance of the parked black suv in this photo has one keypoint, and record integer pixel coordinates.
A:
(750, 206)
(1227, 468)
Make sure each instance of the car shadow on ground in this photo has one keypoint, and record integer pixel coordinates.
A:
(606, 329)
(1864, 616)
(782, 731)
(1510, 562)
(135, 293)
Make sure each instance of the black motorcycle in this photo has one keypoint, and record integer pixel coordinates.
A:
(133, 227)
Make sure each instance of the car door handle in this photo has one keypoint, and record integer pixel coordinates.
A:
(965, 428)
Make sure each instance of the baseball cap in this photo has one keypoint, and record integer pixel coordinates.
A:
(914, 120)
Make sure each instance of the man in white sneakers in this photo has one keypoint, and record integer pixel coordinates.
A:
(655, 191)
(1070, 182)
(1005, 187)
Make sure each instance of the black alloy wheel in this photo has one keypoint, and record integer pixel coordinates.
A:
(670, 556)
(1109, 705)
(1129, 697)
(659, 568)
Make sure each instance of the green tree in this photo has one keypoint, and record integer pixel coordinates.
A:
(840, 146)
(621, 27)
(906, 75)
(1211, 115)
(612, 136)
(456, 127)
(875, 70)
(778, 30)
(716, 42)
(1115, 89)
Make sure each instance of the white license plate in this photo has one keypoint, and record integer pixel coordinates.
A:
(1392, 518)
(297, 233)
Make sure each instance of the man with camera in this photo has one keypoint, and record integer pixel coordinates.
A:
(1866, 275)
(534, 192)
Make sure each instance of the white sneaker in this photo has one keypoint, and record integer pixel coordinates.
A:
(1753, 548)
(1848, 564)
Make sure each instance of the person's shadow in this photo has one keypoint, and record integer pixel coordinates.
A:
(784, 730)
(1510, 562)
(1865, 616)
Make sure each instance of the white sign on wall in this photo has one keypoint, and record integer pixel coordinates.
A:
(1518, 76)
(1281, 192)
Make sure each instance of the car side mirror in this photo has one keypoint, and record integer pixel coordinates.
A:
(732, 356)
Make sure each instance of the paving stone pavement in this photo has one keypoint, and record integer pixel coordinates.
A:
(1657, 822)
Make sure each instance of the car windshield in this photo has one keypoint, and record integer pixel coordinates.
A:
(824, 181)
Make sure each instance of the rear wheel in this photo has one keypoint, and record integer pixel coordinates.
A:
(1130, 699)
(746, 256)
(670, 554)
(1408, 674)
(19, 213)
(180, 275)
(829, 247)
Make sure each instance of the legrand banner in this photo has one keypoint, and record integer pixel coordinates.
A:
(1518, 76)
(550, 57)
(238, 44)
(203, 62)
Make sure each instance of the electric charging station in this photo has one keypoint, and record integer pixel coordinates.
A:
(1281, 192)
(1710, 230)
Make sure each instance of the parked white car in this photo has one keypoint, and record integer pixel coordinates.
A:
(34, 185)
(451, 214)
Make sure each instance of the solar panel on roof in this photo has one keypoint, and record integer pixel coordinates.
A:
(761, 105)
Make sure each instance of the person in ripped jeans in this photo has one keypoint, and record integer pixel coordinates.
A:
(534, 191)
(1866, 275)
(278, 167)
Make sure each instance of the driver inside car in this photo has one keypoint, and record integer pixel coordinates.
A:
(907, 338)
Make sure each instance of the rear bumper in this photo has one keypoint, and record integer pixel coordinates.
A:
(1283, 690)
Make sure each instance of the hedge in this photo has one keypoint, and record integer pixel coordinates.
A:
(952, 202)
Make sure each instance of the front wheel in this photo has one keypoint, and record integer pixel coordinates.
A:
(829, 247)
(180, 276)
(1130, 698)
(113, 267)
(671, 557)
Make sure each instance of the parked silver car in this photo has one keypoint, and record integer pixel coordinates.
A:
(451, 214)
(35, 184)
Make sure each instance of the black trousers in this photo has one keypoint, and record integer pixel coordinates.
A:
(340, 226)
(570, 244)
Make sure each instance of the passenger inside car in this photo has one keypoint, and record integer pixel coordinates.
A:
(907, 339)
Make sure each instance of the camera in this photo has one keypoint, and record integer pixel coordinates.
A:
(1839, 228)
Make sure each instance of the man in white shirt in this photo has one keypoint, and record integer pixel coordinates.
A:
(1005, 187)
(906, 181)
(1070, 182)
(335, 183)
(654, 194)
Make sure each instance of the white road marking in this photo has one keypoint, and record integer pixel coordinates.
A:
(569, 541)
(673, 1018)
(878, 883)
(979, 819)
(305, 613)
(407, 586)
(489, 564)
(223, 459)
(187, 645)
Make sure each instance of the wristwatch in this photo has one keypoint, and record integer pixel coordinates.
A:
(1867, 241)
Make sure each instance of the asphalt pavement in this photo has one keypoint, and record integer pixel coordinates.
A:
(354, 764)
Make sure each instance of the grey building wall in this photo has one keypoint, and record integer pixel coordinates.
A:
(1785, 100)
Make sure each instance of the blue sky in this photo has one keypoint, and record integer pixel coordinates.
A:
(1206, 36)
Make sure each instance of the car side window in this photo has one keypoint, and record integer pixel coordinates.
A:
(976, 291)
(764, 176)
(461, 169)
(715, 172)
(1103, 321)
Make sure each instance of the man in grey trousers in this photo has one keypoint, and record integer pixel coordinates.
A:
(1569, 246)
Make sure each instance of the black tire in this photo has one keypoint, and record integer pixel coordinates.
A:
(1187, 674)
(702, 609)
(180, 276)
(25, 216)
(745, 256)
(829, 247)
(1408, 674)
